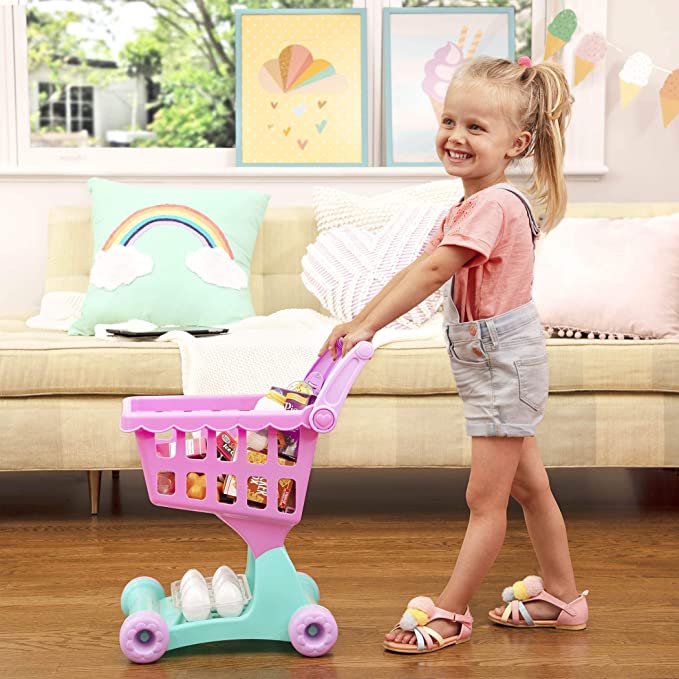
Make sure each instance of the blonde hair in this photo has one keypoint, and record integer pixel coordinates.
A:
(539, 101)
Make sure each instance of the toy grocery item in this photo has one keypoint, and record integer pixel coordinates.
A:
(195, 596)
(296, 396)
(225, 594)
(196, 446)
(196, 486)
(166, 483)
(284, 604)
(228, 593)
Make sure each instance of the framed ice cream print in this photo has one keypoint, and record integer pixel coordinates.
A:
(423, 48)
(301, 87)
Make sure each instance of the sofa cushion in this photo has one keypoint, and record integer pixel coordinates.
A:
(47, 362)
(42, 362)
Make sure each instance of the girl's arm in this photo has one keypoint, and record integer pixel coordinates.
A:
(345, 328)
(391, 285)
(421, 279)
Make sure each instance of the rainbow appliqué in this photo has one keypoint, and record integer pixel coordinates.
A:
(131, 228)
(120, 263)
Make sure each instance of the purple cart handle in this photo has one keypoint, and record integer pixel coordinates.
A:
(339, 376)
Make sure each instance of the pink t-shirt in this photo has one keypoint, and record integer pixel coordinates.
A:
(493, 223)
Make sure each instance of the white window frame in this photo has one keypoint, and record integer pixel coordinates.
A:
(585, 139)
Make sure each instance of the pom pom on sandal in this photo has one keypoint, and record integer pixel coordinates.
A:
(533, 585)
(524, 589)
(419, 611)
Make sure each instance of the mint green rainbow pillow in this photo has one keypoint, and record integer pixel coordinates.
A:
(170, 255)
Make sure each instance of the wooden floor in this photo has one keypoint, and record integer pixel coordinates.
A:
(372, 539)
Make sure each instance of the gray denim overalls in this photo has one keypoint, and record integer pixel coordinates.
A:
(500, 364)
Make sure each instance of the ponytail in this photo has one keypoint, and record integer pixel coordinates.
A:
(551, 99)
(539, 101)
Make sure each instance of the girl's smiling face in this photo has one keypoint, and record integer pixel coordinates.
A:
(476, 140)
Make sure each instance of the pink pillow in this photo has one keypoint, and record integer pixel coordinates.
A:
(610, 276)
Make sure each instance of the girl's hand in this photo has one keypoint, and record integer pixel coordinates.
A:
(359, 333)
(338, 331)
(352, 333)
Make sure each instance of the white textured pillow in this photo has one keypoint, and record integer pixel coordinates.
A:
(347, 266)
(58, 311)
(610, 278)
(338, 209)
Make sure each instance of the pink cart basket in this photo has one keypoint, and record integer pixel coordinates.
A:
(284, 604)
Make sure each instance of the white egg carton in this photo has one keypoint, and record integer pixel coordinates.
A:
(242, 583)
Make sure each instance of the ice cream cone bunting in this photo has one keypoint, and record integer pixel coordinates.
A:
(552, 46)
(670, 108)
(559, 32)
(634, 76)
(669, 97)
(583, 68)
(627, 92)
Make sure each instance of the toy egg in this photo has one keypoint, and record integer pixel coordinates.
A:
(228, 599)
(223, 574)
(191, 576)
(196, 602)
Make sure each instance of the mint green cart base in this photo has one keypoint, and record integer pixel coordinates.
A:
(284, 607)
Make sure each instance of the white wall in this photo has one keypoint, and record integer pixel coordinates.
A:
(642, 156)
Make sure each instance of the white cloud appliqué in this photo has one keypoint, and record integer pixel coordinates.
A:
(118, 266)
(215, 266)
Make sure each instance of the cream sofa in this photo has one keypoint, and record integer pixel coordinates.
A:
(613, 403)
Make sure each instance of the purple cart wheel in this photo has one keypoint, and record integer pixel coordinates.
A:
(312, 630)
(144, 637)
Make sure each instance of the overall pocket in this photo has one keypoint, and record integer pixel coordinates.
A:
(471, 353)
(533, 375)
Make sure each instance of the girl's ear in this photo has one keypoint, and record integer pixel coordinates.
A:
(520, 144)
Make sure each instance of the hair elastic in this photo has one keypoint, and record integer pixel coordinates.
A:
(524, 61)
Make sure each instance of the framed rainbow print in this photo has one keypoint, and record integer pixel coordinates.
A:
(301, 87)
(423, 47)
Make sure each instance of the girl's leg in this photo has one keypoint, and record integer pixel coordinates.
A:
(546, 529)
(494, 464)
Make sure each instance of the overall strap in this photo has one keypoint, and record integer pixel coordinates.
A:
(535, 229)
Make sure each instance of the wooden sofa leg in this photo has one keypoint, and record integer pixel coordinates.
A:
(94, 482)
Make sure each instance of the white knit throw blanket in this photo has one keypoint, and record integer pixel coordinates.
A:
(266, 351)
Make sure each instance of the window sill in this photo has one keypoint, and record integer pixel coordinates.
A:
(57, 173)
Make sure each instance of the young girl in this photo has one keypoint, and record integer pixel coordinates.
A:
(494, 112)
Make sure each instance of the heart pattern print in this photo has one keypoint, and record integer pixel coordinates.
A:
(302, 75)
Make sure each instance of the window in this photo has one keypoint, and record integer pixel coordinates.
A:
(164, 70)
(67, 108)
(149, 84)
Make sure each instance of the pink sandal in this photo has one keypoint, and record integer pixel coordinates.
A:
(573, 615)
(421, 611)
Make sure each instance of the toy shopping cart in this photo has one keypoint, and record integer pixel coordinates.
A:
(181, 443)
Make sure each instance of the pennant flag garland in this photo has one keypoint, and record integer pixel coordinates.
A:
(634, 76)
(590, 52)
